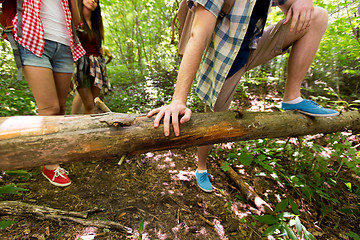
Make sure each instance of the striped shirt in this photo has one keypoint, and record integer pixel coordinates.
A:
(224, 46)
(33, 31)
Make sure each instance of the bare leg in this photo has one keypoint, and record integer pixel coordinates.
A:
(87, 99)
(62, 82)
(87, 96)
(50, 101)
(203, 153)
(42, 84)
(77, 105)
(95, 92)
(305, 46)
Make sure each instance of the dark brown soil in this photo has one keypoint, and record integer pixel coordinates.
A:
(159, 190)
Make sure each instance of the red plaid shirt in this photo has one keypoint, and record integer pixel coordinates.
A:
(33, 31)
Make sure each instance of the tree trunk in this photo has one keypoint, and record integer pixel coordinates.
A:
(30, 141)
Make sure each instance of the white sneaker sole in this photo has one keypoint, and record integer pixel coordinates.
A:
(319, 115)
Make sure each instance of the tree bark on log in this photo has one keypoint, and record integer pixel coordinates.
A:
(46, 213)
(30, 141)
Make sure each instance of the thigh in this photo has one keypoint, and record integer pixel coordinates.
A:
(270, 45)
(227, 91)
(42, 84)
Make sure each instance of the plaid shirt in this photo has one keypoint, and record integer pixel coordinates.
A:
(33, 31)
(224, 46)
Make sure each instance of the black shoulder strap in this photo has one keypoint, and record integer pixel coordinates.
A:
(226, 8)
(19, 8)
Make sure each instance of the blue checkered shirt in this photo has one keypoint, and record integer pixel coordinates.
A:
(224, 46)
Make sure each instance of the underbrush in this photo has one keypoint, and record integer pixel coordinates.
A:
(312, 177)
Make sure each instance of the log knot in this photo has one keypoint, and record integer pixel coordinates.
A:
(118, 119)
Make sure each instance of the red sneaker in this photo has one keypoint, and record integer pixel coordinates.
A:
(57, 177)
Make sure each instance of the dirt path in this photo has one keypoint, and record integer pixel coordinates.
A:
(157, 189)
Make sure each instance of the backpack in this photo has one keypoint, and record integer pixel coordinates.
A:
(8, 10)
(184, 18)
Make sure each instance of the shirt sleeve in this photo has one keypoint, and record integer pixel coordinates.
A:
(278, 2)
(212, 6)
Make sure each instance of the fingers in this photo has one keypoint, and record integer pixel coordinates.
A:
(301, 19)
(186, 116)
(171, 117)
(288, 17)
(152, 112)
(304, 21)
(175, 123)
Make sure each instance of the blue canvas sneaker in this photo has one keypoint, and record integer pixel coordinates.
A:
(310, 108)
(203, 181)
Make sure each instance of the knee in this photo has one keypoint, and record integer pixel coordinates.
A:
(88, 107)
(49, 111)
(62, 110)
(320, 17)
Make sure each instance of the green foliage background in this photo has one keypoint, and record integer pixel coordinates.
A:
(144, 69)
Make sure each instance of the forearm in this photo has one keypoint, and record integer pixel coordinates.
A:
(188, 68)
(201, 33)
(75, 14)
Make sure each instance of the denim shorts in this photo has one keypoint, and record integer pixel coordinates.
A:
(56, 56)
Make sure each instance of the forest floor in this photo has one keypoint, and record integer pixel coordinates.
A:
(158, 189)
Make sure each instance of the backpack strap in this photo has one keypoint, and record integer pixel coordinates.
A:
(226, 8)
(10, 36)
(19, 8)
(76, 37)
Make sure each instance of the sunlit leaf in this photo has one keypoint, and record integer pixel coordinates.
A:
(353, 235)
(267, 219)
(281, 205)
(6, 223)
(245, 159)
(298, 226)
(271, 230)
(289, 232)
(294, 207)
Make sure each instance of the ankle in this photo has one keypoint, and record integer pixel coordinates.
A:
(292, 100)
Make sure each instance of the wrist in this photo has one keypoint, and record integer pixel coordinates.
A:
(179, 101)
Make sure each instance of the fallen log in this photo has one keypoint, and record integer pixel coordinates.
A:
(46, 213)
(30, 141)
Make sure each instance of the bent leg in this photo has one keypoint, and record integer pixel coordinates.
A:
(304, 48)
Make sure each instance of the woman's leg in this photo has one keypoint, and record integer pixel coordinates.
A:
(87, 99)
(49, 90)
(95, 92)
(62, 86)
(62, 83)
(42, 84)
(77, 105)
(87, 96)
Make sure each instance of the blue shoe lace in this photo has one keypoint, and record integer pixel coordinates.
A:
(312, 102)
(203, 181)
(204, 177)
